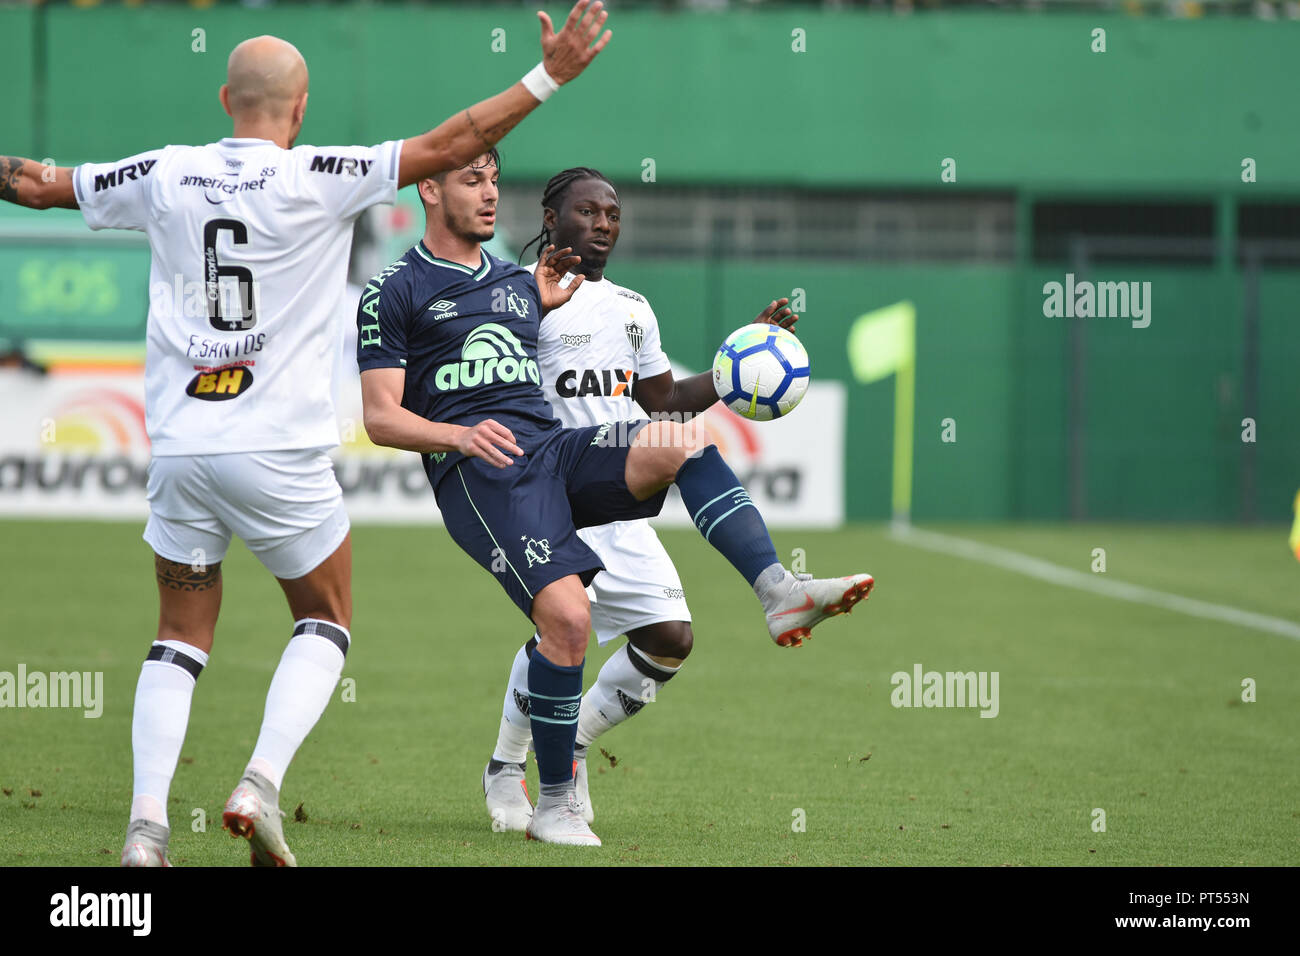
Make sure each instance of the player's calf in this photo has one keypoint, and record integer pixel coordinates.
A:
(629, 681)
(563, 618)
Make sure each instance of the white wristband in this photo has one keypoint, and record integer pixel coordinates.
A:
(538, 82)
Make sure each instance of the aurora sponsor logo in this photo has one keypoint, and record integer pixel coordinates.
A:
(491, 353)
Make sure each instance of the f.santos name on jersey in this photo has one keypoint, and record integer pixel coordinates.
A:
(491, 353)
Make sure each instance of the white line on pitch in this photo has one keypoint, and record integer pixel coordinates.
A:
(1070, 578)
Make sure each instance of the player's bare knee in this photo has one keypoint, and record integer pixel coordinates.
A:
(675, 640)
(567, 630)
(661, 450)
(685, 639)
(665, 641)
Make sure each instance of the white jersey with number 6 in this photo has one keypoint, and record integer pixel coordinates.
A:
(250, 247)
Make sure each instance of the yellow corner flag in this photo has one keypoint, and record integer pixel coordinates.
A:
(883, 343)
(1295, 529)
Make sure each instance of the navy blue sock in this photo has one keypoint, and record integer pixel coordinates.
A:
(554, 695)
(723, 513)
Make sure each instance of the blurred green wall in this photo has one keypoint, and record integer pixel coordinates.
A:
(1017, 100)
(878, 101)
(1163, 407)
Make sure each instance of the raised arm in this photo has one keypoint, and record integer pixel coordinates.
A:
(389, 424)
(457, 140)
(26, 182)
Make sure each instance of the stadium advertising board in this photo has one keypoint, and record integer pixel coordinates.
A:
(74, 444)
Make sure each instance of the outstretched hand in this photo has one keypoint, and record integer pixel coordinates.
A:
(778, 313)
(567, 53)
(552, 266)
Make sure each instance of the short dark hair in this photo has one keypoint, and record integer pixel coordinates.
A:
(554, 194)
(493, 154)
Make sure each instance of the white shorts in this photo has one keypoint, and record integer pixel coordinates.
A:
(287, 506)
(639, 585)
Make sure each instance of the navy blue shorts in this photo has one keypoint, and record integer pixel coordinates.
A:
(519, 522)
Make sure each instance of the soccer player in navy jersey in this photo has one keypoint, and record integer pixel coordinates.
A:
(447, 346)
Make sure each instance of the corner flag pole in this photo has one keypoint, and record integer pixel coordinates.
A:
(883, 343)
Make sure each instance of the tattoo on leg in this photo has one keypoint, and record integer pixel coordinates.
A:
(11, 173)
(183, 577)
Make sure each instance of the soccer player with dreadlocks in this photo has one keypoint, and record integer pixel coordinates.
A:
(448, 351)
(601, 358)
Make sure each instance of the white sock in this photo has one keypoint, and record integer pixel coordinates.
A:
(158, 722)
(773, 586)
(623, 686)
(516, 727)
(308, 672)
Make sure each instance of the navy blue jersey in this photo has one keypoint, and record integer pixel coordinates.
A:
(467, 339)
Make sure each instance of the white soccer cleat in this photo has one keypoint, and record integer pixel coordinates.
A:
(146, 844)
(580, 784)
(253, 811)
(811, 602)
(561, 823)
(506, 792)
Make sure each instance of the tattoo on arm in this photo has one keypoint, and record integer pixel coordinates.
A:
(11, 174)
(477, 131)
(183, 577)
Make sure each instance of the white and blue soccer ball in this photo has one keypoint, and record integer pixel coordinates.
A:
(761, 371)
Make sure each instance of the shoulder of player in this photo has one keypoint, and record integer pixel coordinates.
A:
(393, 284)
(336, 160)
(504, 269)
(624, 292)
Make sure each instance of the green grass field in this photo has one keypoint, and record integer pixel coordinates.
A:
(1103, 704)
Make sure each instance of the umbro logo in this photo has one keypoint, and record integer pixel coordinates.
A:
(444, 309)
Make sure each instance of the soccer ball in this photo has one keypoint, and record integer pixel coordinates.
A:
(761, 371)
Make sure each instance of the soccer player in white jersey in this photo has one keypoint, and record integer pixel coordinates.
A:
(249, 239)
(600, 357)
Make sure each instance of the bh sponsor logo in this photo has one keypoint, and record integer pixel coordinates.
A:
(220, 384)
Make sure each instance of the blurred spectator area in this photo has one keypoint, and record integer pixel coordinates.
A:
(1262, 9)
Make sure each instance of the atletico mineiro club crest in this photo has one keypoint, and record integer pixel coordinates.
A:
(635, 335)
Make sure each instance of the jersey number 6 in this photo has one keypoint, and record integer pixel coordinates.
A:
(214, 272)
